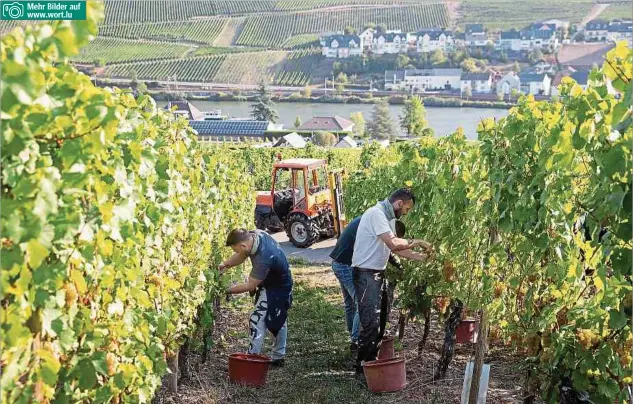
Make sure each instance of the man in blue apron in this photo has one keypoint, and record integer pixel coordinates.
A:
(272, 279)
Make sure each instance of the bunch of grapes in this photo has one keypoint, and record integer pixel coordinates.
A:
(587, 338)
(441, 304)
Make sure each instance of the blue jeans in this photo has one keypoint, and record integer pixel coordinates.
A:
(344, 274)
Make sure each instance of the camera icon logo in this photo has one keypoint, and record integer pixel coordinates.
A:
(12, 11)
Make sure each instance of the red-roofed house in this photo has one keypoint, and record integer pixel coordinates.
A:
(328, 124)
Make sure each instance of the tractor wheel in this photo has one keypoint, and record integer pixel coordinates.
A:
(301, 231)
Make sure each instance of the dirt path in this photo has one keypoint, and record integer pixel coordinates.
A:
(595, 11)
(230, 32)
(318, 364)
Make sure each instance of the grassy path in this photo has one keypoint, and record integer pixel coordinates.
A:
(318, 364)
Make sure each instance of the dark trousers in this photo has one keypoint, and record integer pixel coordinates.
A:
(368, 285)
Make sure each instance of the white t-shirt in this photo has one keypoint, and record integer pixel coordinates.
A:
(370, 252)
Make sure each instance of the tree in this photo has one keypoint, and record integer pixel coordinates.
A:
(503, 57)
(342, 78)
(297, 121)
(133, 75)
(470, 65)
(402, 61)
(381, 28)
(349, 30)
(141, 88)
(325, 139)
(369, 25)
(381, 125)
(307, 92)
(535, 55)
(264, 108)
(514, 93)
(359, 123)
(100, 62)
(516, 68)
(413, 118)
(339, 89)
(438, 57)
(468, 92)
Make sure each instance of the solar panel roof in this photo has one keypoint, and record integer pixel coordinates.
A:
(227, 128)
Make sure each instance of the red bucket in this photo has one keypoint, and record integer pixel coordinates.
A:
(467, 331)
(248, 370)
(387, 349)
(386, 375)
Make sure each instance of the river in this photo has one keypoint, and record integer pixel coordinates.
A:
(444, 121)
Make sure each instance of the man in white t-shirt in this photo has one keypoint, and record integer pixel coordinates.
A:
(375, 239)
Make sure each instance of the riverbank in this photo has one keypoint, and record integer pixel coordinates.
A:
(398, 99)
(443, 120)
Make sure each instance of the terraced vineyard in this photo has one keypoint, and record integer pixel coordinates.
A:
(284, 68)
(112, 50)
(506, 14)
(617, 10)
(301, 41)
(291, 5)
(191, 69)
(298, 67)
(273, 29)
(201, 31)
(136, 11)
(248, 68)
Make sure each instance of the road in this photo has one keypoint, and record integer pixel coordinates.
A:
(318, 253)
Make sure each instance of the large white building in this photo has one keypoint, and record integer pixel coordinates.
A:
(615, 30)
(422, 79)
(475, 36)
(390, 43)
(429, 40)
(536, 36)
(621, 30)
(341, 46)
(596, 31)
(537, 84)
(476, 82)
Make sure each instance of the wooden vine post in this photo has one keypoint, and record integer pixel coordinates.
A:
(172, 378)
(480, 353)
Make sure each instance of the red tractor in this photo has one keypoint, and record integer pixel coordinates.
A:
(305, 200)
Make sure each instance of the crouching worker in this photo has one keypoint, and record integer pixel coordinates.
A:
(272, 279)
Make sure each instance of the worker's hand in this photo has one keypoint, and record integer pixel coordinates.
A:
(222, 267)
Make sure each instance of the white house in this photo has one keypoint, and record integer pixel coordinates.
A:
(432, 39)
(621, 30)
(390, 43)
(596, 31)
(537, 84)
(476, 35)
(293, 140)
(422, 79)
(367, 36)
(535, 36)
(477, 82)
(342, 46)
(508, 83)
(346, 142)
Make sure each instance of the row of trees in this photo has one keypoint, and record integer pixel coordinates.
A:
(382, 126)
